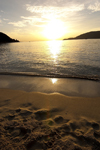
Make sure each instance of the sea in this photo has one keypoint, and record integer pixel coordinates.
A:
(62, 58)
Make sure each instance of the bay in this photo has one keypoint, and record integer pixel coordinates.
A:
(70, 58)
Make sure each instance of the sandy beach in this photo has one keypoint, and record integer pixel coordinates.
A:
(68, 119)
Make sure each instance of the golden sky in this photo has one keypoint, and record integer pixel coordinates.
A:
(29, 20)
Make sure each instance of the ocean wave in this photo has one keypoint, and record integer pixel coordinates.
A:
(30, 74)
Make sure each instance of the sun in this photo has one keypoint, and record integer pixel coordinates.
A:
(54, 29)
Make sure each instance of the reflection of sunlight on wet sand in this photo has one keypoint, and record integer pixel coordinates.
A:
(54, 80)
(54, 47)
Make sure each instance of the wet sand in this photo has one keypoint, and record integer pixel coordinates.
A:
(66, 86)
(33, 117)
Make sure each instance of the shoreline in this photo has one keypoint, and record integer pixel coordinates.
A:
(49, 113)
(29, 74)
(66, 86)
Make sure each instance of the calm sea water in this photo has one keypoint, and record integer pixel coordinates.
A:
(73, 58)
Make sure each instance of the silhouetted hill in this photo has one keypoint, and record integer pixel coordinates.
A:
(88, 35)
(6, 39)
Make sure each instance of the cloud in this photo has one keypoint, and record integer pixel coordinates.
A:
(94, 7)
(52, 9)
(47, 13)
(18, 23)
(66, 14)
(41, 15)
(31, 20)
(5, 19)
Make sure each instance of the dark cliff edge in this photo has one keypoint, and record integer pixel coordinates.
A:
(6, 39)
(88, 35)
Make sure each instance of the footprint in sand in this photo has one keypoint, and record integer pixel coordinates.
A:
(23, 112)
(97, 134)
(34, 145)
(10, 116)
(18, 110)
(95, 126)
(49, 122)
(58, 119)
(19, 131)
(42, 114)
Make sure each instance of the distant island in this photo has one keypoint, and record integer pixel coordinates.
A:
(88, 35)
(6, 39)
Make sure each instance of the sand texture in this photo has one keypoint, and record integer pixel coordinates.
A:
(37, 121)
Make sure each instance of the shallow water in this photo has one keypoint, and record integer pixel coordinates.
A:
(73, 58)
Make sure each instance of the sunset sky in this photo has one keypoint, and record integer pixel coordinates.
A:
(29, 20)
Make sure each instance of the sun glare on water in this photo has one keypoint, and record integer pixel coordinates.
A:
(54, 29)
(54, 47)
